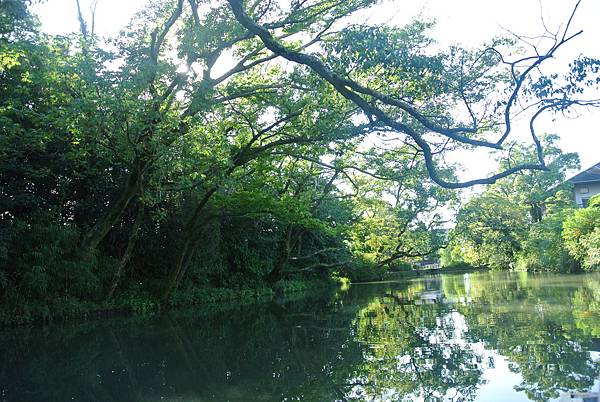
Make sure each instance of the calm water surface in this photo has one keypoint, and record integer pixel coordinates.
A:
(481, 337)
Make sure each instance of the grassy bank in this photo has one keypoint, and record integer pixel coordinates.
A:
(144, 304)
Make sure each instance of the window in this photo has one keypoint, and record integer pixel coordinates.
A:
(584, 190)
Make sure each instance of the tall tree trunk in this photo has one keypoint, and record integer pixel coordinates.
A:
(98, 232)
(173, 275)
(188, 258)
(283, 256)
(191, 233)
(133, 236)
(182, 262)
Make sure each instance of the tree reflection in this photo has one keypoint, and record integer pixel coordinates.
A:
(541, 326)
(586, 307)
(262, 353)
(430, 339)
(414, 351)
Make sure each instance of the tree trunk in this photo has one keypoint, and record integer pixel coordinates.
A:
(98, 232)
(191, 232)
(536, 213)
(128, 251)
(182, 262)
(283, 257)
(173, 275)
(187, 260)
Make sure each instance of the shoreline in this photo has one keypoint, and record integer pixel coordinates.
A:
(140, 305)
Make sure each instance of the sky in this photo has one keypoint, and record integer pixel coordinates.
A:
(466, 22)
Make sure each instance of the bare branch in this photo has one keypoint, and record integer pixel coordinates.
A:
(82, 23)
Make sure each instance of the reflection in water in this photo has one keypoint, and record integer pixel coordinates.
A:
(485, 336)
(531, 322)
(573, 396)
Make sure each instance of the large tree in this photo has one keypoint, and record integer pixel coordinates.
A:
(129, 152)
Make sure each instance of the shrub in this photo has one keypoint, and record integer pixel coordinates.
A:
(581, 234)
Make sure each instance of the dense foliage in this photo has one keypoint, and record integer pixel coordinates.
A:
(581, 234)
(530, 222)
(233, 145)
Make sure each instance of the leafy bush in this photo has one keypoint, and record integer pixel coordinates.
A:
(46, 262)
(358, 272)
(543, 249)
(581, 234)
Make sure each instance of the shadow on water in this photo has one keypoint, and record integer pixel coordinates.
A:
(451, 337)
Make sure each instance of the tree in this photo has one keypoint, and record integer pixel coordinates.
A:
(129, 153)
(410, 115)
(581, 234)
(398, 213)
(532, 189)
(489, 231)
(517, 222)
(543, 249)
(159, 80)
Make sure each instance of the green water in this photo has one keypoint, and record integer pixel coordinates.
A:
(482, 336)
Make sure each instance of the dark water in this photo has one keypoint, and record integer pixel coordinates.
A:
(484, 337)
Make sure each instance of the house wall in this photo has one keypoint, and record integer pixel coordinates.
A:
(584, 191)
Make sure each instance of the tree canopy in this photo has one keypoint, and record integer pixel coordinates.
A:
(235, 143)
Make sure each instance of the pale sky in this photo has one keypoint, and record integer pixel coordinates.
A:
(468, 22)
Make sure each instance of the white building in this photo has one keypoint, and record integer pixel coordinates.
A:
(586, 184)
(579, 397)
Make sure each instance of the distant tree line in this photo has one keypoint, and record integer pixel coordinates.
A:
(529, 221)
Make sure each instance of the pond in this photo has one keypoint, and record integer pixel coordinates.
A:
(479, 336)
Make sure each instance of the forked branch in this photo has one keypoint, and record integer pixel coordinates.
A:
(371, 101)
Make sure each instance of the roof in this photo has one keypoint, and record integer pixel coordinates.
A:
(591, 175)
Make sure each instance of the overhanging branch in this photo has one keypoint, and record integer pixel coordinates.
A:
(355, 93)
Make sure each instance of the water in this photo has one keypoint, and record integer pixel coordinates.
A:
(481, 336)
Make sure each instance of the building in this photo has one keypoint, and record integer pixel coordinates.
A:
(579, 397)
(426, 264)
(586, 184)
(573, 396)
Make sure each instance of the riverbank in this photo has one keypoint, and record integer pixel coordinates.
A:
(413, 273)
(454, 269)
(145, 304)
